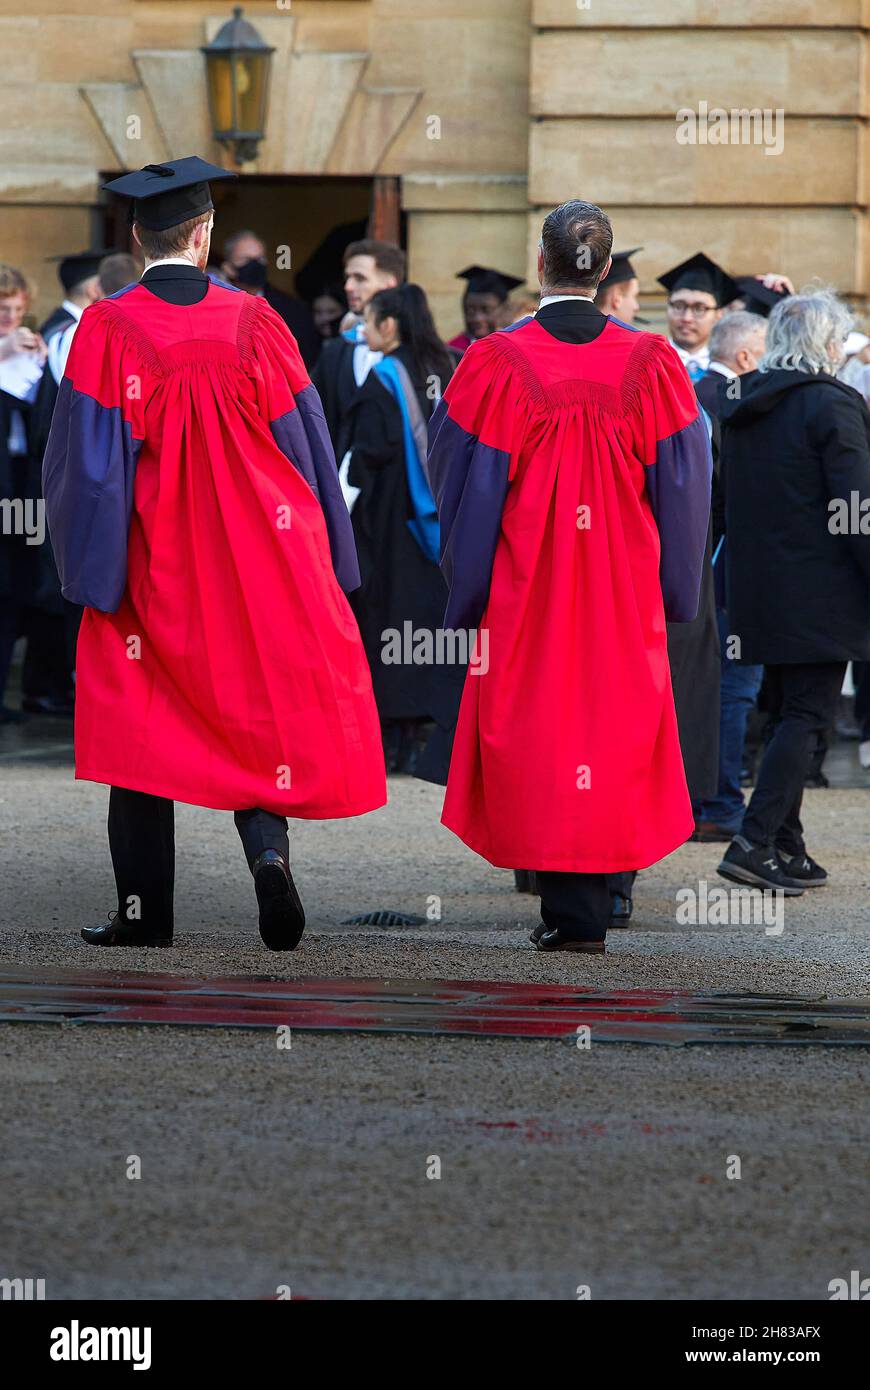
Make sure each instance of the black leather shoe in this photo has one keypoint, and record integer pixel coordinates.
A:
(555, 941)
(621, 909)
(116, 933)
(537, 932)
(282, 916)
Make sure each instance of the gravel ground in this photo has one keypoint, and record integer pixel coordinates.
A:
(307, 1168)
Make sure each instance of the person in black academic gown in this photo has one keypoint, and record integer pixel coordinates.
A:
(50, 622)
(245, 265)
(395, 522)
(617, 293)
(486, 290)
(345, 362)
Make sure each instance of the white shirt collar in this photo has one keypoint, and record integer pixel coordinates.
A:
(700, 355)
(75, 309)
(563, 298)
(168, 260)
(721, 368)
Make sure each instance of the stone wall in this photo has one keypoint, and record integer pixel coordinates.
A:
(483, 108)
(437, 95)
(611, 137)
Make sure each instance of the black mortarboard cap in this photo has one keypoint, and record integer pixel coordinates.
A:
(165, 195)
(757, 297)
(483, 280)
(622, 268)
(700, 273)
(72, 270)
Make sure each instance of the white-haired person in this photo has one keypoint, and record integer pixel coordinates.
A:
(796, 466)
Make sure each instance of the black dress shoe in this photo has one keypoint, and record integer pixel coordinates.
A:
(555, 941)
(282, 916)
(621, 908)
(118, 933)
(537, 932)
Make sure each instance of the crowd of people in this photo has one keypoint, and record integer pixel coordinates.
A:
(702, 470)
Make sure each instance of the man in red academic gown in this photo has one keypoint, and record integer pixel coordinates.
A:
(572, 469)
(195, 509)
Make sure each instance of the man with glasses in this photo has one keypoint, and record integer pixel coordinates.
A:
(698, 290)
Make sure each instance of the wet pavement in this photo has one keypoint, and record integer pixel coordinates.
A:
(421, 1163)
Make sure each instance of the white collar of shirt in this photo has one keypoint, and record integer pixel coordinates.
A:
(169, 260)
(75, 309)
(722, 369)
(700, 355)
(564, 298)
(363, 357)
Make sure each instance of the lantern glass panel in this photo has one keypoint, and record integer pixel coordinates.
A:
(251, 75)
(220, 91)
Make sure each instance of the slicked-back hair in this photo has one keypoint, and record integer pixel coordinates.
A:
(389, 258)
(576, 240)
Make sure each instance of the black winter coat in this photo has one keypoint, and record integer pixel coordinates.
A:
(797, 590)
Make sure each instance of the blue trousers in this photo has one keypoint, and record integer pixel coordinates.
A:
(740, 686)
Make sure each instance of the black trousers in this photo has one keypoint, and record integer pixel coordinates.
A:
(578, 905)
(801, 702)
(9, 623)
(623, 882)
(142, 845)
(861, 677)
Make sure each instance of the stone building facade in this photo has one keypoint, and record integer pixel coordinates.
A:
(479, 113)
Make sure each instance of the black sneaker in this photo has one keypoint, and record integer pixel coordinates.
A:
(759, 866)
(804, 869)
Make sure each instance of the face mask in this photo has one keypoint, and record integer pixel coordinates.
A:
(253, 273)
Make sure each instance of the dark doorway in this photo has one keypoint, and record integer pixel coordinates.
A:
(314, 216)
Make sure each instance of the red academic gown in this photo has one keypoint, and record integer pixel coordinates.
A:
(573, 486)
(218, 661)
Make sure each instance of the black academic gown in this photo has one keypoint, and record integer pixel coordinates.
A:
(59, 319)
(399, 584)
(336, 386)
(45, 583)
(694, 652)
(300, 320)
(14, 558)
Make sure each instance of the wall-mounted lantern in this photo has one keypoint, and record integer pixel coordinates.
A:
(237, 65)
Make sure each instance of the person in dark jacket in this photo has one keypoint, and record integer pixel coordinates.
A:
(796, 445)
(344, 363)
(245, 265)
(736, 348)
(403, 595)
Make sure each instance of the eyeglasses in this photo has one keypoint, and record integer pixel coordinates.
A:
(679, 307)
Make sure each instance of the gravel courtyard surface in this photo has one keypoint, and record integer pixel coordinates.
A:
(307, 1167)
